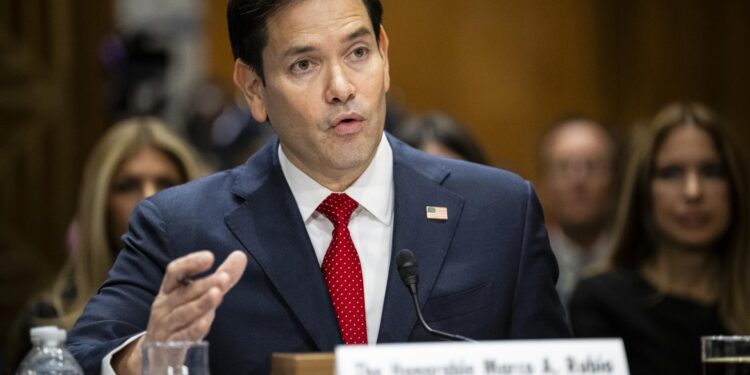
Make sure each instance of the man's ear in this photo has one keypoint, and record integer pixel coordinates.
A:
(253, 89)
(384, 54)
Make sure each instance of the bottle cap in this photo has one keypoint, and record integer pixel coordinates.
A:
(47, 334)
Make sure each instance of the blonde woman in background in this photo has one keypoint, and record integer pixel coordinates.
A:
(133, 160)
(679, 267)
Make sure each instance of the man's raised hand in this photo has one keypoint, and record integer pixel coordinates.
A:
(184, 308)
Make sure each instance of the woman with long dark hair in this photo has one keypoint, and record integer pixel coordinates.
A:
(681, 259)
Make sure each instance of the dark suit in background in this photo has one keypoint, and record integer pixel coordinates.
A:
(487, 272)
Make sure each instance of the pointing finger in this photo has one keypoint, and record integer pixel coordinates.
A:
(182, 268)
(233, 266)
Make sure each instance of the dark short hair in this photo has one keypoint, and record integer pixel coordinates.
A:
(247, 21)
(441, 128)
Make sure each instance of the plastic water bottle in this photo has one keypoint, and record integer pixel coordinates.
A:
(49, 356)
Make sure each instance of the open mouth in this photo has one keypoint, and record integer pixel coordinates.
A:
(348, 124)
(347, 118)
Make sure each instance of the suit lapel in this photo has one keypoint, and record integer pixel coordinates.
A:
(428, 239)
(269, 225)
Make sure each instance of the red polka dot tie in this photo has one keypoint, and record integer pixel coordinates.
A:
(343, 272)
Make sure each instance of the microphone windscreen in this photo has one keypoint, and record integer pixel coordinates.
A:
(406, 263)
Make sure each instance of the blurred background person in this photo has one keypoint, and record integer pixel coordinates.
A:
(579, 168)
(438, 134)
(220, 127)
(133, 160)
(681, 256)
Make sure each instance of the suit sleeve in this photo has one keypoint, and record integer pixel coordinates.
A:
(122, 306)
(537, 310)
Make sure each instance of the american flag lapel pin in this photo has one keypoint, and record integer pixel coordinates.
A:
(437, 213)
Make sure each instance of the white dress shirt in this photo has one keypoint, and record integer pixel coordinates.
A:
(575, 261)
(371, 227)
(371, 224)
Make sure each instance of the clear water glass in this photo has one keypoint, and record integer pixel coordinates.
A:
(175, 358)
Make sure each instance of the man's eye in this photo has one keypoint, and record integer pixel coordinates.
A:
(360, 52)
(301, 66)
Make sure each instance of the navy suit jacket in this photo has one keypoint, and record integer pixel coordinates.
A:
(486, 273)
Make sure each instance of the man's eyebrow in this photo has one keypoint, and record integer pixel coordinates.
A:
(299, 50)
(362, 31)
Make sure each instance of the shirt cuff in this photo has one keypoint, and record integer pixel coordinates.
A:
(107, 360)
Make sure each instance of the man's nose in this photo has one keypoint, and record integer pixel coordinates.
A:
(340, 87)
(578, 170)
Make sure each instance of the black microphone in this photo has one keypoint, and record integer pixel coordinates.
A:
(406, 263)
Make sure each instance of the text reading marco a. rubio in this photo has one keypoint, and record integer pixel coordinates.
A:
(590, 365)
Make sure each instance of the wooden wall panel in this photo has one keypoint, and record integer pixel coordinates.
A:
(220, 60)
(652, 53)
(505, 69)
(51, 112)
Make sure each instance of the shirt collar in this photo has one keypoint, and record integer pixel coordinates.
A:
(373, 189)
(598, 249)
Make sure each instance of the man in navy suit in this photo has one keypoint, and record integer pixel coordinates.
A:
(317, 71)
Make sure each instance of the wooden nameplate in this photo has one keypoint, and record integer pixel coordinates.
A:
(302, 364)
